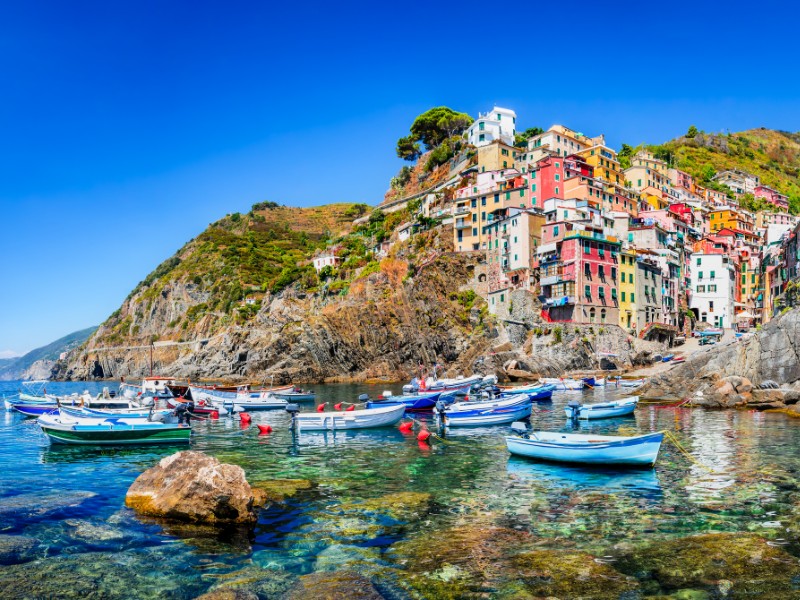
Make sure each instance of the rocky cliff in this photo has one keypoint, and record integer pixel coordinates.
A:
(732, 374)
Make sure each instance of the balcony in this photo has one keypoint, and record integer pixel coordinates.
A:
(559, 301)
(556, 278)
(463, 224)
(461, 210)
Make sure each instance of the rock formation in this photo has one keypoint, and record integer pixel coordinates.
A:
(733, 374)
(194, 487)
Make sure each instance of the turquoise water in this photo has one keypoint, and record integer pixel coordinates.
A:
(68, 502)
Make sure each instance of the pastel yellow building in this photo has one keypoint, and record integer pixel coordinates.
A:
(627, 289)
(496, 157)
(728, 218)
(605, 164)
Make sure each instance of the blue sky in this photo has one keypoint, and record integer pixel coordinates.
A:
(125, 128)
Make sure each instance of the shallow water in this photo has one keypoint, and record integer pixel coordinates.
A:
(71, 499)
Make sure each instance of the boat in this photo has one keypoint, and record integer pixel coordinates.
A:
(63, 429)
(151, 387)
(384, 416)
(236, 401)
(201, 407)
(586, 449)
(564, 385)
(31, 408)
(631, 383)
(536, 393)
(131, 413)
(484, 412)
(667, 358)
(604, 410)
(34, 391)
(295, 394)
(413, 402)
(678, 359)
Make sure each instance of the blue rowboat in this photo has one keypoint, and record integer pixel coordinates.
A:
(489, 412)
(536, 393)
(412, 402)
(605, 410)
(295, 396)
(33, 409)
(635, 451)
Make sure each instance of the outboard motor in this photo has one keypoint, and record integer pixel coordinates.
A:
(575, 409)
(440, 406)
(293, 409)
(520, 428)
(362, 397)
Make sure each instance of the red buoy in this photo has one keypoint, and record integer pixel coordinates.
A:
(264, 429)
(244, 417)
(337, 406)
(406, 427)
(351, 407)
(321, 407)
(423, 435)
(215, 414)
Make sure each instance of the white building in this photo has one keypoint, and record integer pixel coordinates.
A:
(499, 124)
(326, 260)
(563, 141)
(713, 277)
(738, 181)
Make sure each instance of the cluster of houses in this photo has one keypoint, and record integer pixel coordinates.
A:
(641, 247)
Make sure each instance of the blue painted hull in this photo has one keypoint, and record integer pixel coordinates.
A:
(499, 412)
(416, 403)
(34, 409)
(637, 451)
(536, 393)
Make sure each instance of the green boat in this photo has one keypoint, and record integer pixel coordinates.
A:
(115, 431)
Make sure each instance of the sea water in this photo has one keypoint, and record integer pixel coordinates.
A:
(67, 502)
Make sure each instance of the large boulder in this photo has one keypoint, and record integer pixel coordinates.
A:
(194, 487)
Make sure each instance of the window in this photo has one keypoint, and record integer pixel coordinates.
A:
(587, 270)
(481, 125)
(555, 231)
(592, 315)
(602, 315)
(508, 195)
(753, 278)
(623, 296)
(700, 275)
(602, 292)
(587, 290)
(712, 288)
(701, 289)
(474, 231)
(522, 193)
(601, 271)
(712, 274)
(473, 203)
(744, 278)
(556, 190)
(533, 187)
(613, 293)
(711, 306)
(558, 177)
(483, 201)
(633, 297)
(621, 277)
(586, 248)
(481, 138)
(502, 297)
(614, 273)
(699, 261)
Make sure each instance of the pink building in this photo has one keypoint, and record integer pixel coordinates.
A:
(578, 273)
(772, 196)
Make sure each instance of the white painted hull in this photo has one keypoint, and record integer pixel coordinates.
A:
(640, 451)
(355, 419)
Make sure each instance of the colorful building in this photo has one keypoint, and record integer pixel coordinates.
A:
(499, 124)
(627, 289)
(604, 162)
(713, 282)
(772, 196)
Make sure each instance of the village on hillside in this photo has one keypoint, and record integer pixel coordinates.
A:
(601, 238)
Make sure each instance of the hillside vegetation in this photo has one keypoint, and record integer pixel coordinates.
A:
(772, 155)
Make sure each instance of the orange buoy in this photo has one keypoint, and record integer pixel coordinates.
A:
(264, 429)
(423, 435)
(244, 417)
(337, 406)
(215, 414)
(351, 407)
(321, 407)
(406, 427)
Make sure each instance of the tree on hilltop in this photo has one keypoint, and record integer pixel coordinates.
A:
(432, 128)
(408, 148)
(692, 132)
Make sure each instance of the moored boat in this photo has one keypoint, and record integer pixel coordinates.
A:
(631, 383)
(604, 410)
(62, 429)
(237, 401)
(413, 402)
(385, 416)
(637, 451)
(295, 394)
(564, 385)
(484, 412)
(536, 393)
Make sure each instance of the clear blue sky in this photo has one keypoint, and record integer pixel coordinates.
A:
(125, 128)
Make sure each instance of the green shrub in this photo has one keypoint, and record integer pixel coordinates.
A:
(558, 334)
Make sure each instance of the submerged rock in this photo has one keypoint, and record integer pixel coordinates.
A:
(332, 586)
(92, 532)
(401, 506)
(16, 548)
(40, 505)
(251, 583)
(742, 564)
(193, 487)
(279, 490)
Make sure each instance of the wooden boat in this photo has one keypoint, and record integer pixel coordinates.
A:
(605, 410)
(486, 412)
(637, 451)
(62, 429)
(354, 419)
(413, 402)
(536, 393)
(201, 407)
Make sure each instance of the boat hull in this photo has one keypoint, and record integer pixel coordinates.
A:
(637, 451)
(356, 419)
(291, 397)
(604, 411)
(177, 435)
(493, 412)
(419, 403)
